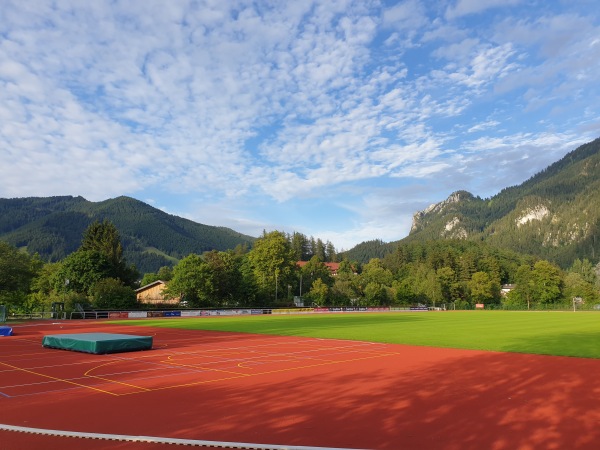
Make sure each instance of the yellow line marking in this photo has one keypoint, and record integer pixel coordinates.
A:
(257, 356)
(108, 380)
(260, 361)
(208, 369)
(239, 375)
(58, 379)
(88, 374)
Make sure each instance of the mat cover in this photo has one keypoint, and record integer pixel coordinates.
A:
(98, 343)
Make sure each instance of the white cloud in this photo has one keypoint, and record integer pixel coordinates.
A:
(483, 126)
(266, 105)
(458, 52)
(487, 66)
(466, 7)
(409, 14)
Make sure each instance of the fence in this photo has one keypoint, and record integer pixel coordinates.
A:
(36, 315)
(540, 307)
(112, 314)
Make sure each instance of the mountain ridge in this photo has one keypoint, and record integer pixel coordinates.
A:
(553, 215)
(53, 227)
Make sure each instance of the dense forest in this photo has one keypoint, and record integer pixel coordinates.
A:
(454, 274)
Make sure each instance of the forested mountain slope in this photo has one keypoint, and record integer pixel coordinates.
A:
(53, 227)
(555, 215)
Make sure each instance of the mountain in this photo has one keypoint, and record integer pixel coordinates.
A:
(53, 228)
(555, 215)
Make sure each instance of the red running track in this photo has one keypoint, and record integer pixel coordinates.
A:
(293, 391)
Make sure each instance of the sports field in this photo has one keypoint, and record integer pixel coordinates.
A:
(546, 333)
(443, 380)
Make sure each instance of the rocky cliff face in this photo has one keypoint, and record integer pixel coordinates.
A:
(538, 213)
(433, 213)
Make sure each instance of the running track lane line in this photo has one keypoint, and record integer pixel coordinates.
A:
(160, 440)
(55, 378)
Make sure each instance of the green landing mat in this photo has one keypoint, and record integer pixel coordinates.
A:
(98, 343)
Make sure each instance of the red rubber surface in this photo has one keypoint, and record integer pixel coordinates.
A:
(293, 391)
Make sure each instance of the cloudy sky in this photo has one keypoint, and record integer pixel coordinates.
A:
(336, 118)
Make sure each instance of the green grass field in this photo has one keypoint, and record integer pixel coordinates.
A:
(548, 333)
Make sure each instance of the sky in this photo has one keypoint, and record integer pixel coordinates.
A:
(338, 119)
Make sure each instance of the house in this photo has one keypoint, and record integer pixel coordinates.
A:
(506, 288)
(332, 266)
(153, 293)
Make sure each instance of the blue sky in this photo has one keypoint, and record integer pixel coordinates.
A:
(336, 119)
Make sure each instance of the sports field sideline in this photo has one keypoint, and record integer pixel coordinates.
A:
(371, 381)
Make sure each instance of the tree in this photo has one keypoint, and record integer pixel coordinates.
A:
(466, 266)
(403, 292)
(17, 270)
(446, 277)
(374, 272)
(313, 270)
(483, 288)
(42, 287)
(524, 290)
(299, 244)
(110, 293)
(103, 237)
(319, 292)
(577, 286)
(192, 281)
(376, 294)
(343, 292)
(273, 264)
(346, 270)
(491, 266)
(212, 280)
(80, 270)
(248, 288)
(425, 284)
(584, 268)
(330, 253)
(165, 273)
(320, 250)
(548, 282)
(225, 280)
(148, 278)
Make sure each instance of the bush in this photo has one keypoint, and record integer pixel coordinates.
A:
(462, 304)
(110, 293)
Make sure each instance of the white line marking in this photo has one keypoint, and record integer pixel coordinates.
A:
(161, 440)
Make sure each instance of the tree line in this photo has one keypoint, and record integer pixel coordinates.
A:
(451, 273)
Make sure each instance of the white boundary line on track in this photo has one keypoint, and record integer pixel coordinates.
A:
(160, 440)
